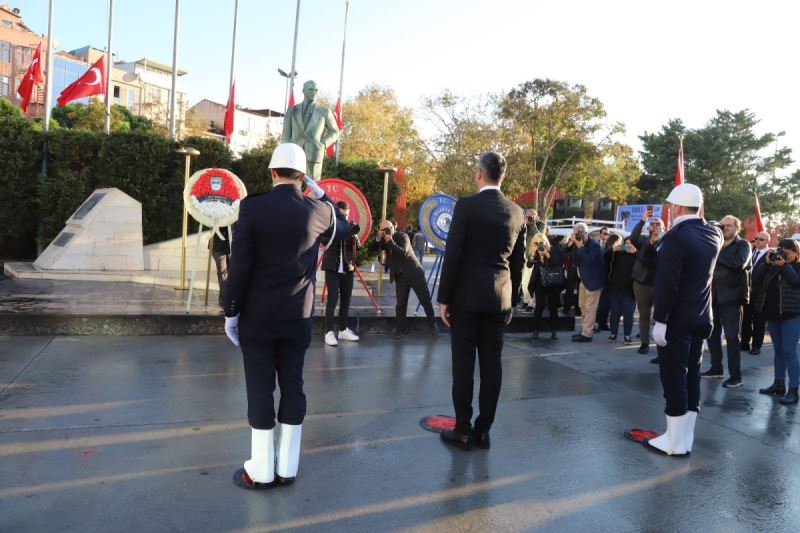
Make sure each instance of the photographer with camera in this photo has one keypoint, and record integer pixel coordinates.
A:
(546, 261)
(776, 294)
(730, 291)
(339, 264)
(588, 258)
(620, 258)
(644, 273)
(533, 226)
(406, 273)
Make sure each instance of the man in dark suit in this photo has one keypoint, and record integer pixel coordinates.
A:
(268, 306)
(479, 286)
(687, 254)
(753, 321)
(406, 273)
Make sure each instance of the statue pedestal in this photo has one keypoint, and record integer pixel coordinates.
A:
(105, 233)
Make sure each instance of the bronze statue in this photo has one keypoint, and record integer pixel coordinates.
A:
(312, 127)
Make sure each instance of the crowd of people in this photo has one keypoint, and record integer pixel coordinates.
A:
(754, 289)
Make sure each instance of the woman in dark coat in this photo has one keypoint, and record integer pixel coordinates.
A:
(620, 258)
(545, 256)
(776, 294)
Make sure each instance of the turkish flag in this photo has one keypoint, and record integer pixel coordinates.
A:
(679, 175)
(91, 83)
(229, 115)
(291, 100)
(759, 222)
(337, 114)
(33, 76)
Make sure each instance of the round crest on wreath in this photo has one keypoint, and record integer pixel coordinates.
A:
(212, 197)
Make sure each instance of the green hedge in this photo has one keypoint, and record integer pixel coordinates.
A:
(142, 164)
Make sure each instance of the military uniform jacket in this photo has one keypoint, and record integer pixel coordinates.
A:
(313, 137)
(687, 255)
(274, 255)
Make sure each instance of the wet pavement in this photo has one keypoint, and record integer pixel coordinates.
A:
(144, 433)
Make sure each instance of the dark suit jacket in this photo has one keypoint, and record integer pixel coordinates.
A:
(274, 257)
(399, 254)
(687, 255)
(485, 254)
(591, 267)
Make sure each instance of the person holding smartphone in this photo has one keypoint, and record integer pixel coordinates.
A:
(620, 258)
(776, 291)
(588, 257)
(644, 273)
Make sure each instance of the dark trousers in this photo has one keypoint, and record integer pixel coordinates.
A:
(727, 319)
(753, 326)
(340, 286)
(277, 348)
(604, 308)
(221, 261)
(644, 301)
(622, 303)
(551, 294)
(403, 283)
(679, 368)
(470, 333)
(571, 288)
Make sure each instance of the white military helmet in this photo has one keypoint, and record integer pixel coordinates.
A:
(288, 155)
(686, 195)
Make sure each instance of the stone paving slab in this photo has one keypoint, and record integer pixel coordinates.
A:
(143, 434)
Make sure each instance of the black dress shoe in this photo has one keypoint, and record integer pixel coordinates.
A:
(581, 338)
(241, 479)
(791, 397)
(745, 347)
(283, 480)
(644, 349)
(459, 440)
(755, 351)
(481, 439)
(778, 388)
(654, 361)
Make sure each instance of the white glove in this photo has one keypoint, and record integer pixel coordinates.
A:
(316, 190)
(232, 329)
(660, 334)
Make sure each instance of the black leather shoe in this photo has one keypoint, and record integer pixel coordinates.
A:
(654, 361)
(453, 438)
(745, 347)
(732, 383)
(791, 397)
(581, 338)
(644, 349)
(755, 351)
(241, 479)
(481, 439)
(283, 480)
(778, 388)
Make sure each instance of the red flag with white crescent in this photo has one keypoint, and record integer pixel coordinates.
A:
(680, 177)
(91, 83)
(33, 76)
(229, 111)
(291, 100)
(759, 222)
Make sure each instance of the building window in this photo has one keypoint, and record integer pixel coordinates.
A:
(7, 23)
(116, 94)
(5, 86)
(5, 52)
(131, 99)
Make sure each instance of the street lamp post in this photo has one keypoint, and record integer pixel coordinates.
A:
(386, 170)
(188, 153)
(287, 76)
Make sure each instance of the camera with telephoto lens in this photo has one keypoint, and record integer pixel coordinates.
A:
(579, 236)
(387, 231)
(531, 219)
(774, 255)
(540, 247)
(355, 229)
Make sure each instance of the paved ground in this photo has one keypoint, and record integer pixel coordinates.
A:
(143, 434)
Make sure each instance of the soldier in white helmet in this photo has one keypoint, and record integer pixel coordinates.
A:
(268, 307)
(687, 254)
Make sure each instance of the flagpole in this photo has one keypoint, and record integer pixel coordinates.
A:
(294, 47)
(107, 127)
(233, 52)
(341, 80)
(48, 85)
(172, 126)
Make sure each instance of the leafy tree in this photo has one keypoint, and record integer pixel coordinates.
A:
(728, 160)
(91, 117)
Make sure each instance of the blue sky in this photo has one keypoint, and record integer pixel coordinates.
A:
(647, 61)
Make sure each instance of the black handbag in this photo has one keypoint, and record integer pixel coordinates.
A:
(552, 276)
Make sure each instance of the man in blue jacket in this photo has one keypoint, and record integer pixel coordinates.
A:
(587, 255)
(687, 254)
(268, 306)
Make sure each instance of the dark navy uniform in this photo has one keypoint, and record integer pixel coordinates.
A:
(687, 255)
(271, 286)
